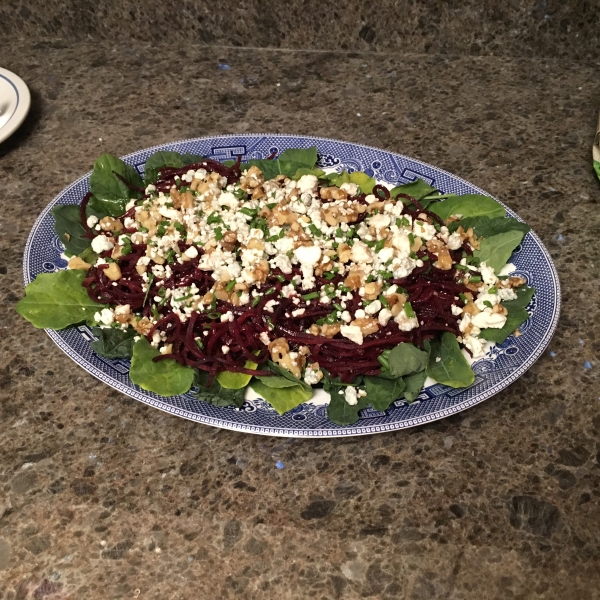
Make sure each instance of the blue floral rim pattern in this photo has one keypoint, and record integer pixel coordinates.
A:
(497, 370)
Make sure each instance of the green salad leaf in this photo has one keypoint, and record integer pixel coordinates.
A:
(486, 227)
(281, 373)
(305, 156)
(282, 399)
(215, 393)
(158, 160)
(364, 181)
(89, 256)
(517, 315)
(447, 363)
(597, 168)
(468, 205)
(418, 189)
(236, 381)
(403, 359)
(189, 158)
(69, 229)
(496, 250)
(56, 300)
(110, 195)
(113, 342)
(381, 392)
(308, 171)
(165, 377)
(338, 410)
(413, 384)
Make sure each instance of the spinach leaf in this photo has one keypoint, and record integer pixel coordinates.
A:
(361, 179)
(281, 399)
(109, 194)
(447, 363)
(69, 228)
(307, 157)
(191, 159)
(517, 315)
(113, 342)
(597, 168)
(56, 300)
(496, 250)
(524, 296)
(486, 227)
(342, 413)
(413, 384)
(468, 205)
(382, 392)
(165, 377)
(215, 394)
(403, 359)
(272, 168)
(236, 381)
(306, 171)
(281, 372)
(417, 189)
(89, 256)
(338, 410)
(157, 161)
(276, 381)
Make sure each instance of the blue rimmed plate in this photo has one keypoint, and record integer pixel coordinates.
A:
(497, 370)
(15, 101)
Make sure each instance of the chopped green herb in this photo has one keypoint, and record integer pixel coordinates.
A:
(493, 290)
(379, 246)
(251, 212)
(213, 218)
(218, 234)
(311, 296)
(488, 304)
(314, 230)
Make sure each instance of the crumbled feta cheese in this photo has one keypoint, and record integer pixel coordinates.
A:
(298, 312)
(101, 244)
(307, 183)
(351, 396)
(454, 241)
(507, 294)
(92, 220)
(406, 323)
(350, 188)
(487, 318)
(105, 316)
(373, 308)
(456, 310)
(487, 274)
(191, 252)
(384, 316)
(224, 349)
(264, 338)
(353, 333)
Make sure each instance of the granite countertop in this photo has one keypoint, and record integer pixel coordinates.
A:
(102, 497)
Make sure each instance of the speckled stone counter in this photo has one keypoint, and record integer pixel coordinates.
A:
(104, 498)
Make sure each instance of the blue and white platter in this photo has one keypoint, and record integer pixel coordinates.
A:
(494, 372)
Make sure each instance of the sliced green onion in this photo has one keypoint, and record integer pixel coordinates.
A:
(384, 301)
(311, 296)
(463, 298)
(379, 246)
(218, 234)
(475, 278)
(255, 301)
(230, 285)
(314, 230)
(493, 290)
(250, 212)
(408, 309)
(150, 280)
(488, 304)
(280, 278)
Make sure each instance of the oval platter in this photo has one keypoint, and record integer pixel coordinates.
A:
(494, 372)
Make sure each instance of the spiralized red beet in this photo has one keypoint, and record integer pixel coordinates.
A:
(205, 342)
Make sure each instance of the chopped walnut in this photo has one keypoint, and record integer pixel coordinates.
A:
(444, 261)
(78, 263)
(110, 224)
(113, 272)
(354, 279)
(372, 290)
(143, 326)
(368, 325)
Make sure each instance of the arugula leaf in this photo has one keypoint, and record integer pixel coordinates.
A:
(165, 377)
(306, 171)
(413, 384)
(113, 342)
(496, 250)
(236, 381)
(158, 160)
(403, 359)
(486, 227)
(452, 367)
(417, 189)
(281, 399)
(307, 157)
(216, 394)
(109, 194)
(69, 228)
(517, 315)
(468, 205)
(361, 179)
(382, 392)
(56, 300)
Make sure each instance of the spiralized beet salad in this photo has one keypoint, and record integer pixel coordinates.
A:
(278, 276)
